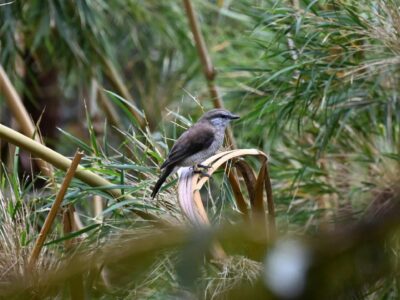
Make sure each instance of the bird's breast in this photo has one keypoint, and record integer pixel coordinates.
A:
(206, 153)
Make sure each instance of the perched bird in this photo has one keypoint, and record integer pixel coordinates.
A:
(199, 142)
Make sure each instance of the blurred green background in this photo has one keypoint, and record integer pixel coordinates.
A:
(316, 84)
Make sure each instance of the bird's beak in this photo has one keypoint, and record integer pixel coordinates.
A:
(234, 117)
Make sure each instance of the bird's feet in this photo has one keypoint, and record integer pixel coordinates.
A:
(203, 166)
(200, 169)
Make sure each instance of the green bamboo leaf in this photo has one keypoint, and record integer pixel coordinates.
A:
(82, 145)
(73, 234)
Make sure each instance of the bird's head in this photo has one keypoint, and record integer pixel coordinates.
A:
(219, 117)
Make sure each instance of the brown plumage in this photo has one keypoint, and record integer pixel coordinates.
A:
(196, 144)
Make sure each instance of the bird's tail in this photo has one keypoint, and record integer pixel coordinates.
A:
(161, 180)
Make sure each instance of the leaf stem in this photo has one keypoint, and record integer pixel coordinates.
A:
(208, 68)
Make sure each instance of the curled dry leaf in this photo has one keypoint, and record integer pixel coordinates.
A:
(190, 185)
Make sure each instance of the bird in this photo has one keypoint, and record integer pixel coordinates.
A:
(199, 142)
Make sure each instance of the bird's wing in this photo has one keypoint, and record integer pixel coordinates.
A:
(195, 139)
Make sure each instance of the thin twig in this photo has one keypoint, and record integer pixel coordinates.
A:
(54, 209)
(20, 113)
(208, 68)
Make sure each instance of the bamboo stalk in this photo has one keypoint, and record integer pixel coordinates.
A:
(12, 150)
(19, 112)
(54, 209)
(97, 202)
(63, 163)
(98, 208)
(15, 105)
(208, 68)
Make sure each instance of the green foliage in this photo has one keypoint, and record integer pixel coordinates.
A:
(322, 99)
(317, 88)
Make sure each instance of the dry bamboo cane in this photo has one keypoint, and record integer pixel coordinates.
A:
(192, 205)
(94, 113)
(208, 68)
(63, 163)
(53, 210)
(19, 112)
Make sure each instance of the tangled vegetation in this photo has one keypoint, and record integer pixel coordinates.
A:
(316, 85)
